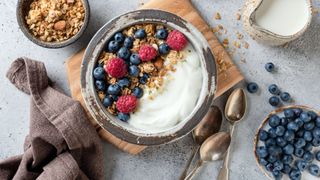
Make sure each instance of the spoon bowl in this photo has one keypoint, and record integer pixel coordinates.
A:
(236, 106)
(215, 146)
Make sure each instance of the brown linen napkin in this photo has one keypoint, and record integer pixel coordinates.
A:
(61, 143)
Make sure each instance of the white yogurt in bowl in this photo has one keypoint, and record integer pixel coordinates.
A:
(175, 100)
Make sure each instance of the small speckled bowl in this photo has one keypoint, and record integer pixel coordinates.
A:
(22, 10)
(264, 124)
(121, 129)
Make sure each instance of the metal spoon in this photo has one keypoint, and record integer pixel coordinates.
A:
(234, 112)
(208, 126)
(212, 149)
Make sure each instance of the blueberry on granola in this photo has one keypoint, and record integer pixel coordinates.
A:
(144, 78)
(134, 71)
(134, 59)
(98, 73)
(114, 89)
(124, 53)
(101, 85)
(137, 92)
(107, 101)
(162, 34)
(164, 49)
(140, 34)
(119, 37)
(123, 116)
(113, 46)
(124, 82)
(128, 42)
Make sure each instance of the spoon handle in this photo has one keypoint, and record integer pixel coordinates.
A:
(194, 170)
(194, 152)
(224, 171)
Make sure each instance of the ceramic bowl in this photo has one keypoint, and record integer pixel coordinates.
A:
(123, 130)
(22, 10)
(264, 124)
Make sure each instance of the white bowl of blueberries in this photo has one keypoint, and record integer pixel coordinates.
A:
(287, 144)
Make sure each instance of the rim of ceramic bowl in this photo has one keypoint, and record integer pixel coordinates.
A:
(108, 121)
(264, 123)
(22, 9)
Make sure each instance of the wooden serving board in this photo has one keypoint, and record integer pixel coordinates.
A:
(228, 73)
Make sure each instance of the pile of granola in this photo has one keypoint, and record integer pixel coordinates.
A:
(149, 75)
(55, 20)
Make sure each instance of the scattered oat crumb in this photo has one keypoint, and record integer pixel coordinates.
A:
(217, 16)
(220, 26)
(238, 16)
(246, 45)
(225, 42)
(239, 35)
(225, 31)
(237, 44)
(315, 11)
(243, 60)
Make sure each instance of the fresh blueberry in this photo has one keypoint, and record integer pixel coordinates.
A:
(263, 135)
(300, 133)
(269, 66)
(101, 85)
(316, 133)
(288, 135)
(144, 78)
(288, 149)
(285, 96)
(299, 122)
(317, 121)
(281, 142)
(277, 174)
(287, 159)
(297, 111)
(123, 117)
(292, 126)
(134, 71)
(317, 155)
(272, 132)
(272, 158)
(119, 37)
(124, 82)
(298, 152)
(128, 42)
(305, 117)
(140, 34)
(164, 48)
(308, 147)
(273, 89)
(98, 73)
(307, 135)
(137, 92)
(161, 34)
(314, 170)
(113, 46)
(274, 121)
(124, 53)
(308, 156)
(286, 169)
(252, 87)
(269, 167)
(114, 89)
(135, 59)
(316, 142)
(301, 165)
(289, 113)
(280, 130)
(107, 101)
(262, 151)
(275, 151)
(300, 143)
(295, 174)
(278, 165)
(270, 142)
(283, 121)
(263, 161)
(313, 115)
(274, 101)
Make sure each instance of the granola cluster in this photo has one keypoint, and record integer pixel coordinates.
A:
(55, 20)
(151, 73)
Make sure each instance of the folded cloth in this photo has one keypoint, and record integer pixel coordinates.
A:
(61, 143)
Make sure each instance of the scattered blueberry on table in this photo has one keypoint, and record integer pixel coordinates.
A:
(285, 146)
(269, 67)
(252, 87)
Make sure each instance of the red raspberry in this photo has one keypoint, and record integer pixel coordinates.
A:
(116, 67)
(126, 103)
(176, 40)
(147, 53)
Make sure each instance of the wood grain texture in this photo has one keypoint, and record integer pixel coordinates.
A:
(227, 77)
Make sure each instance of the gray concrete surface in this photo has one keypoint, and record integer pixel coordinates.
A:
(298, 73)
